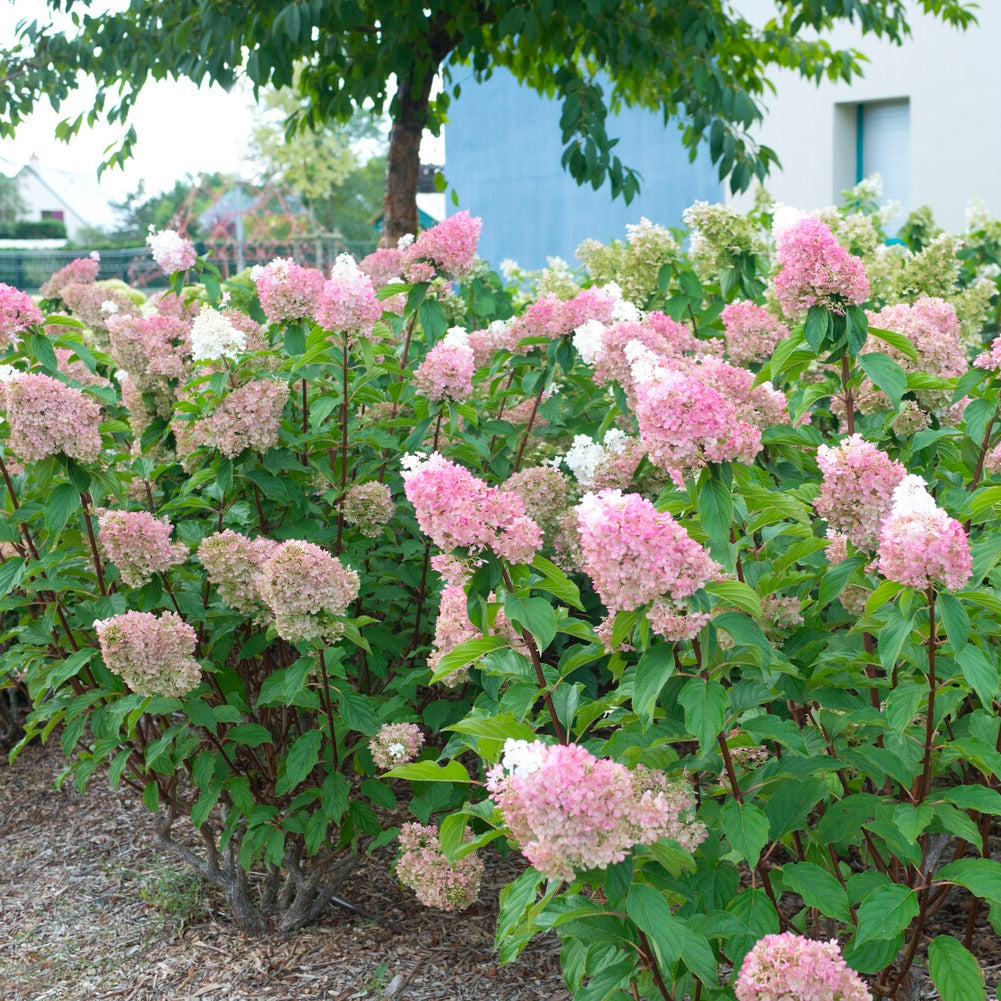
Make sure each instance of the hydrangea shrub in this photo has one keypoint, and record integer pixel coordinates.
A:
(677, 575)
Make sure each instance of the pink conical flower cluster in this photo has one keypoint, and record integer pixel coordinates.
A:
(138, 544)
(307, 591)
(856, 492)
(447, 370)
(447, 249)
(919, 544)
(369, 507)
(286, 290)
(82, 270)
(233, 563)
(789, 967)
(171, 251)
(153, 656)
(570, 811)
(347, 300)
(423, 866)
(18, 312)
(635, 555)
(396, 744)
(248, 417)
(46, 417)
(816, 270)
(752, 333)
(459, 511)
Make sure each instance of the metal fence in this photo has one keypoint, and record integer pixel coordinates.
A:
(28, 268)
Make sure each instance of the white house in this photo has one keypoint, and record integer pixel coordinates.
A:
(73, 198)
(921, 116)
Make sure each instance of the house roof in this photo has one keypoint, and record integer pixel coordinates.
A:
(77, 192)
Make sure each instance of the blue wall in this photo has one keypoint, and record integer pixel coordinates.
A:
(503, 149)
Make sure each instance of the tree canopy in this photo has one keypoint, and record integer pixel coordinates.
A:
(698, 61)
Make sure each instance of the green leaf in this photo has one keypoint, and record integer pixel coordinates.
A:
(430, 771)
(746, 828)
(885, 913)
(954, 971)
(41, 347)
(716, 515)
(652, 914)
(705, 704)
(295, 340)
(834, 579)
(503, 727)
(467, 653)
(978, 798)
(251, 734)
(898, 341)
(300, 761)
(652, 672)
(955, 620)
(62, 501)
(432, 319)
(737, 594)
(556, 582)
(818, 325)
(818, 888)
(982, 877)
(981, 674)
(11, 574)
(886, 374)
(534, 614)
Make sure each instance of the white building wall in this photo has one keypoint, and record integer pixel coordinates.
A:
(952, 80)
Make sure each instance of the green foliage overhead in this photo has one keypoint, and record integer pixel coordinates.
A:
(699, 61)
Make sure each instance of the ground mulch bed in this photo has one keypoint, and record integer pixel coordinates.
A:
(90, 910)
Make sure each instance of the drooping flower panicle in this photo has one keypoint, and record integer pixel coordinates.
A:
(570, 811)
(919, 544)
(138, 544)
(153, 656)
(789, 967)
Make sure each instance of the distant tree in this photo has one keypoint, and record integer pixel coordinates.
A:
(140, 211)
(11, 203)
(326, 167)
(698, 60)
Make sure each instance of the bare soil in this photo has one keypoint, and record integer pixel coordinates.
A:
(91, 911)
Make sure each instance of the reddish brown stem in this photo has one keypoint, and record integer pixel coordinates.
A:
(925, 786)
(846, 374)
(84, 498)
(533, 653)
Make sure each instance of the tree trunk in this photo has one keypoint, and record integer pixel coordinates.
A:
(404, 159)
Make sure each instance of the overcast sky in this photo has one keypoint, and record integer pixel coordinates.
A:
(181, 130)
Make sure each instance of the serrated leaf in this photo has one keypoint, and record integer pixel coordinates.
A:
(705, 704)
(430, 771)
(534, 614)
(885, 913)
(954, 970)
(251, 734)
(886, 374)
(652, 914)
(467, 653)
(62, 501)
(737, 594)
(300, 761)
(746, 828)
(982, 877)
(980, 673)
(898, 341)
(818, 888)
(652, 673)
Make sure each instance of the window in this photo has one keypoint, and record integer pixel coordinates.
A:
(53, 214)
(882, 146)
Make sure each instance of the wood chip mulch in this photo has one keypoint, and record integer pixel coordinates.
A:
(91, 911)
